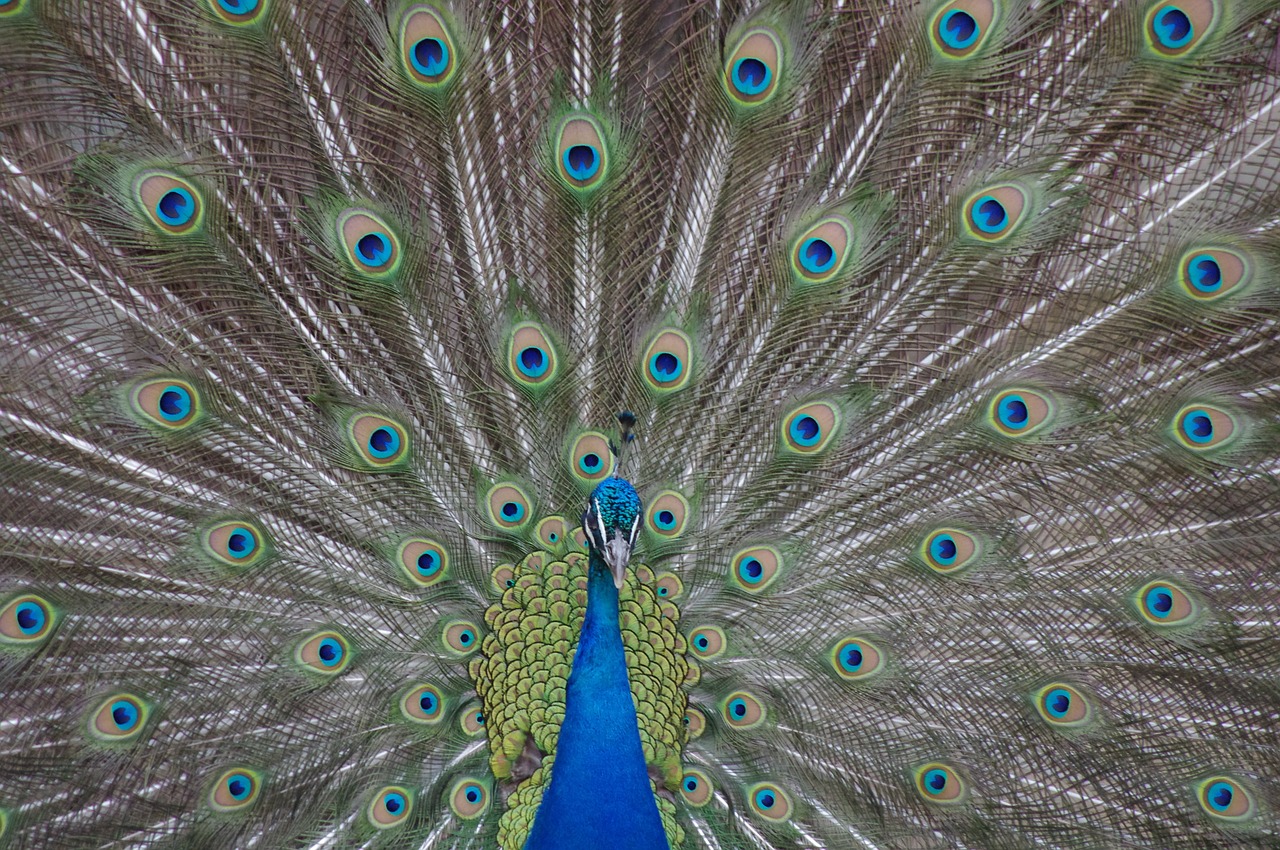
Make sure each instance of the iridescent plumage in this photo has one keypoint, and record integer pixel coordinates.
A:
(948, 336)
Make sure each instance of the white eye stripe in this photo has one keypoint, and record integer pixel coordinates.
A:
(599, 521)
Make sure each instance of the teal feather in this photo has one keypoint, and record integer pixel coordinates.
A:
(949, 332)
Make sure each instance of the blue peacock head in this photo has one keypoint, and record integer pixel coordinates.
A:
(612, 524)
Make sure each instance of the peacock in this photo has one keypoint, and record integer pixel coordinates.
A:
(573, 424)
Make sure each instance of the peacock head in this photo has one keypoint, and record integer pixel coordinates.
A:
(612, 524)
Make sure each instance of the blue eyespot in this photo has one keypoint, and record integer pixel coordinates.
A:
(393, 802)
(473, 793)
(175, 403)
(1057, 702)
(430, 57)
(239, 785)
(935, 781)
(31, 617)
(1219, 796)
(943, 549)
(590, 463)
(241, 542)
(958, 29)
(512, 511)
(989, 215)
(176, 207)
(1012, 411)
(124, 714)
(805, 430)
(581, 162)
(691, 784)
(429, 563)
(738, 707)
(751, 76)
(851, 658)
(816, 255)
(765, 799)
(665, 367)
(1173, 27)
(374, 249)
(1159, 601)
(1205, 273)
(238, 7)
(665, 520)
(533, 362)
(427, 702)
(1197, 426)
(330, 652)
(384, 442)
(750, 570)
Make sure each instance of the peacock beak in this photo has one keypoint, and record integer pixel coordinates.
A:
(617, 554)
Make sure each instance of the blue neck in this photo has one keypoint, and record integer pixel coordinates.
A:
(599, 794)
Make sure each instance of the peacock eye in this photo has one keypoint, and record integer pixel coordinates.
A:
(172, 204)
(755, 568)
(461, 636)
(372, 248)
(390, 806)
(502, 577)
(960, 28)
(1163, 603)
(423, 704)
(819, 253)
(707, 642)
(238, 12)
(236, 543)
(856, 659)
(1175, 29)
(949, 550)
(469, 799)
(423, 561)
(327, 653)
(994, 213)
(742, 710)
(1063, 705)
(751, 74)
(770, 802)
(696, 788)
(1209, 274)
(1226, 799)
(581, 155)
(26, 620)
(171, 403)
(119, 718)
(427, 49)
(235, 789)
(1202, 427)
(550, 531)
(695, 722)
(472, 722)
(509, 506)
(940, 783)
(809, 429)
(590, 459)
(667, 514)
(380, 443)
(530, 356)
(1020, 412)
(668, 586)
(667, 361)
